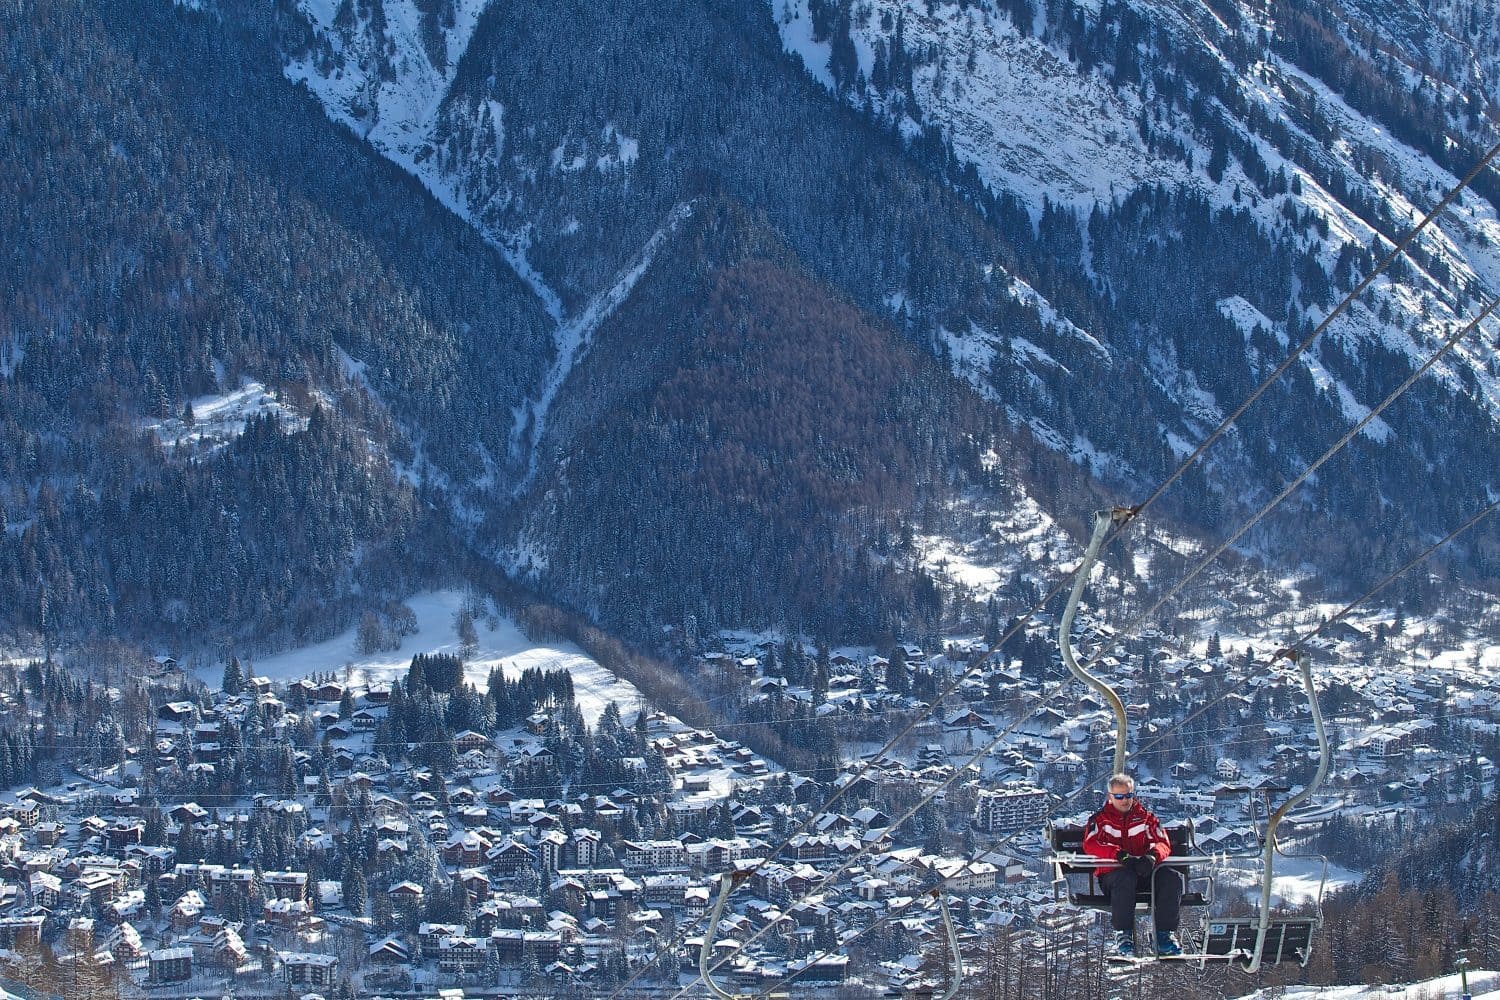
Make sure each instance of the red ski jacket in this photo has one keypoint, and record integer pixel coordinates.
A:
(1137, 832)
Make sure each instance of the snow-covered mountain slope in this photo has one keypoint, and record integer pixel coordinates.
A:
(384, 70)
(1109, 219)
(388, 69)
(1081, 104)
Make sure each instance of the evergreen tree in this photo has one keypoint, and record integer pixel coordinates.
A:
(355, 891)
(234, 677)
(897, 676)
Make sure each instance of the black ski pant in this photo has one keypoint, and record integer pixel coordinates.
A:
(1121, 886)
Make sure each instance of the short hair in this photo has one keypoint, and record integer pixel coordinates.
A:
(1122, 779)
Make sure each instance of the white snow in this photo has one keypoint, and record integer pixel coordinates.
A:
(973, 355)
(514, 251)
(795, 22)
(1353, 410)
(219, 419)
(354, 370)
(1295, 880)
(1018, 540)
(1051, 318)
(944, 557)
(504, 646)
(1024, 115)
(400, 116)
(395, 116)
(1482, 985)
(572, 338)
(1248, 319)
(625, 152)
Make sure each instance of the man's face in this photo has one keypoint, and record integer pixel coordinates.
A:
(1121, 798)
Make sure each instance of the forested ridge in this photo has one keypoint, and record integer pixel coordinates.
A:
(1132, 355)
(764, 424)
(179, 220)
(773, 439)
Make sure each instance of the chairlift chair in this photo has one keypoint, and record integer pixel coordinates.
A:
(1258, 940)
(1075, 875)
(1265, 938)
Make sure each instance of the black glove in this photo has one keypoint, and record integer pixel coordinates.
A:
(1123, 856)
(1144, 866)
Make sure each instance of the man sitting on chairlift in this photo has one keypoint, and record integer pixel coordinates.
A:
(1125, 832)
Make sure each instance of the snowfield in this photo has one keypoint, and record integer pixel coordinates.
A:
(1296, 880)
(504, 646)
(1483, 986)
(219, 419)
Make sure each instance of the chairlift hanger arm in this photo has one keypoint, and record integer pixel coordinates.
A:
(1270, 848)
(956, 983)
(727, 883)
(1103, 521)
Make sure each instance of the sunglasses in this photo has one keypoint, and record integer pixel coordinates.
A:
(1122, 795)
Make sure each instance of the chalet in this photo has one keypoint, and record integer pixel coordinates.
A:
(25, 812)
(189, 812)
(465, 849)
(510, 856)
(406, 896)
(968, 720)
(308, 969)
(287, 913)
(170, 965)
(188, 909)
(181, 712)
(390, 951)
(228, 949)
(46, 889)
(460, 954)
(430, 937)
(123, 942)
(329, 692)
(469, 740)
(285, 885)
(124, 833)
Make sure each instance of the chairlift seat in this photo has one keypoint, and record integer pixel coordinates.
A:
(1069, 840)
(1288, 939)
